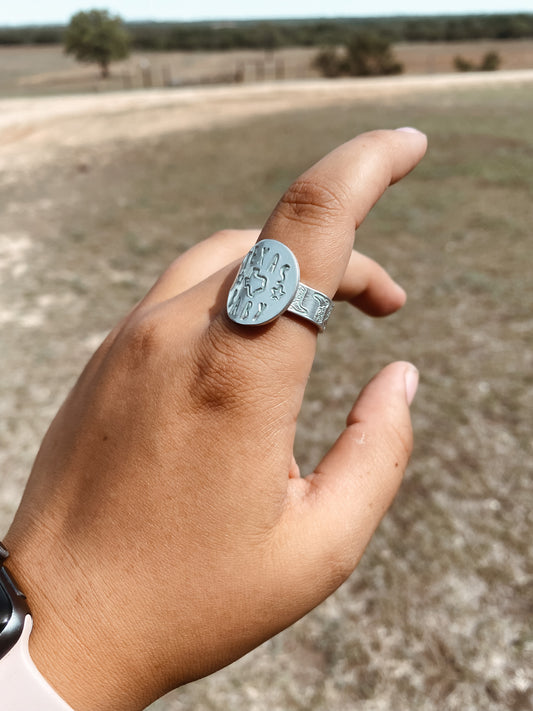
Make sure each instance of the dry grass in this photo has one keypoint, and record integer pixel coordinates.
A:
(427, 58)
(27, 71)
(438, 615)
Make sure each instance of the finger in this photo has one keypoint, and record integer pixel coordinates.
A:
(331, 198)
(318, 215)
(365, 283)
(200, 262)
(333, 513)
(367, 286)
(316, 219)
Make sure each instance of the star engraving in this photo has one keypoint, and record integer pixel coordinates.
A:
(278, 291)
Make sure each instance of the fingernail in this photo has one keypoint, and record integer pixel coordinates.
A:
(411, 383)
(409, 129)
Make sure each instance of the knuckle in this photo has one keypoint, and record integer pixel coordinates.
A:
(237, 374)
(312, 202)
(214, 382)
(142, 337)
(220, 380)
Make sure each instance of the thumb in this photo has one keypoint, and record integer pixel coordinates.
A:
(355, 483)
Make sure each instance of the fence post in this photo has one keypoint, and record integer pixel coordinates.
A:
(147, 77)
(167, 75)
(239, 72)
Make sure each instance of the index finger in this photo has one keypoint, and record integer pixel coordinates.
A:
(264, 369)
(316, 218)
(318, 215)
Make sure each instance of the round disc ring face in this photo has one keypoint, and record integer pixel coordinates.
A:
(265, 285)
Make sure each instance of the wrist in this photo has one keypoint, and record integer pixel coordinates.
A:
(67, 645)
(22, 686)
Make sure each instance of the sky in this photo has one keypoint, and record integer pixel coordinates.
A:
(16, 12)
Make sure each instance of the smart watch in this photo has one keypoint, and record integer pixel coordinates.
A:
(22, 686)
(13, 608)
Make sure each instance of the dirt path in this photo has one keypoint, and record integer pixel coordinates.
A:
(32, 130)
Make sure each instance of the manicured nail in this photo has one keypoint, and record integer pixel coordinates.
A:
(409, 129)
(411, 383)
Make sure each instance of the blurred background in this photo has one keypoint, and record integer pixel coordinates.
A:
(113, 162)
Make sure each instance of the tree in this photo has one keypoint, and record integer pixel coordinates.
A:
(370, 54)
(366, 54)
(97, 37)
(328, 63)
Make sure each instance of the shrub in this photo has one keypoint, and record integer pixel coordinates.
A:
(491, 62)
(370, 54)
(365, 54)
(328, 63)
(463, 65)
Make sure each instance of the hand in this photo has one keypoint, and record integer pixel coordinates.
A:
(165, 530)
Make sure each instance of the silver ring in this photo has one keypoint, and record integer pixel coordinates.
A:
(268, 284)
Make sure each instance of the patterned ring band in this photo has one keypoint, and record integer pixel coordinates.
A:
(268, 284)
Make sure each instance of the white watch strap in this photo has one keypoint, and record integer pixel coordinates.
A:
(22, 686)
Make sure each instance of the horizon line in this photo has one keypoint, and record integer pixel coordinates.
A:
(392, 16)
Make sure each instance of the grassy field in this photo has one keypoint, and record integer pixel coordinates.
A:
(27, 71)
(438, 614)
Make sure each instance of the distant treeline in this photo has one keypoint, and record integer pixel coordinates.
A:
(292, 33)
